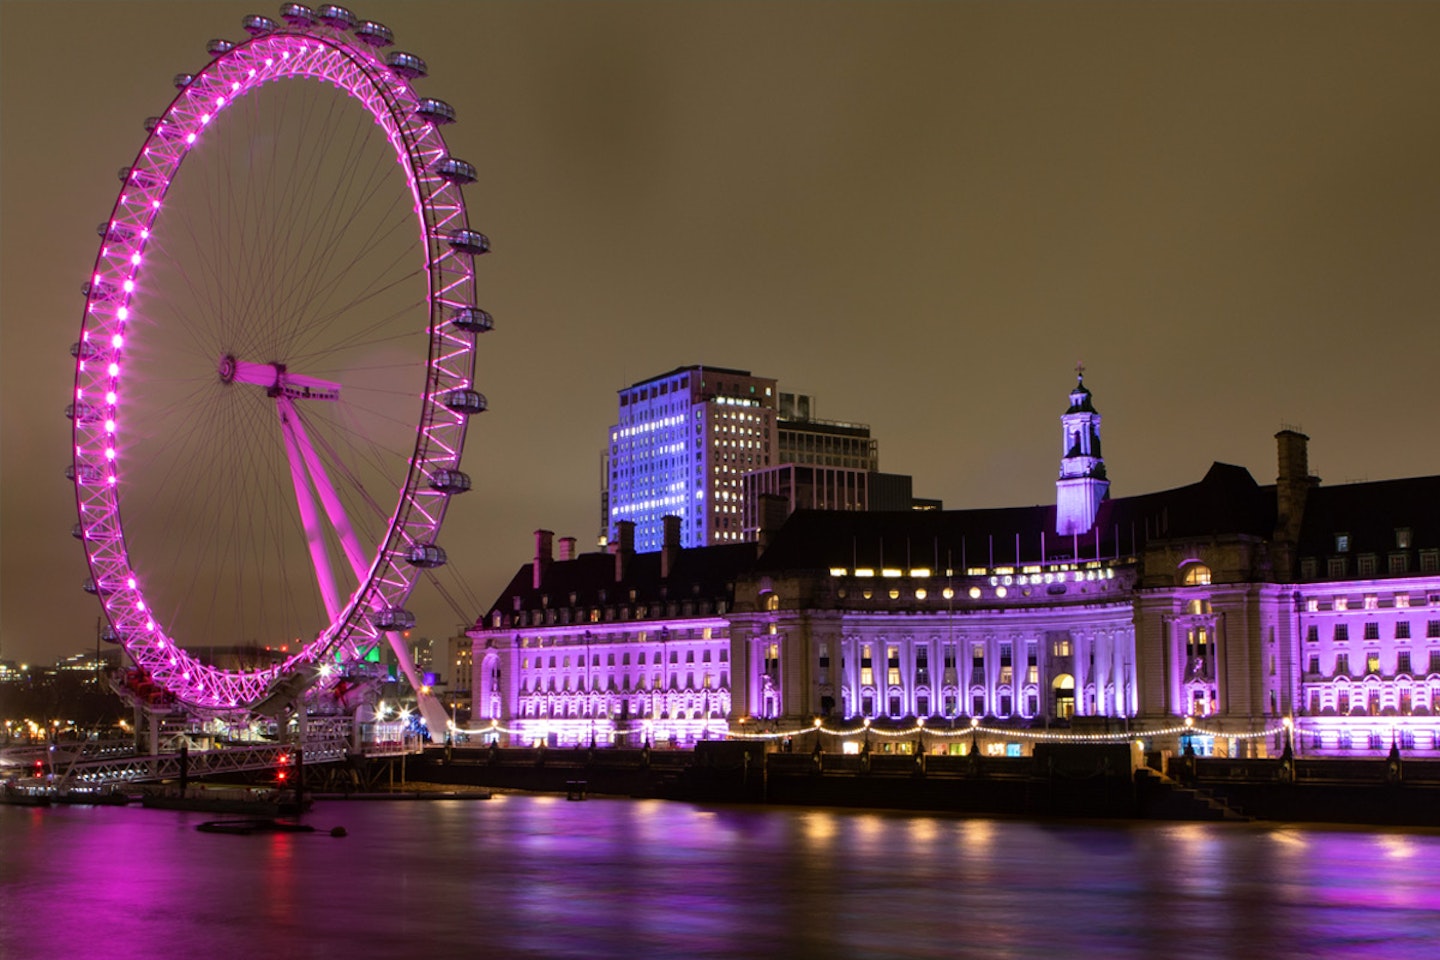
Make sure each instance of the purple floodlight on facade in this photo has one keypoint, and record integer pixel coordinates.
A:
(122, 322)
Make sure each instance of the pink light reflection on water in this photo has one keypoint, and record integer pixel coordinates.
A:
(539, 877)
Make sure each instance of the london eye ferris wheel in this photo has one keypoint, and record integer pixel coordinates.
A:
(275, 369)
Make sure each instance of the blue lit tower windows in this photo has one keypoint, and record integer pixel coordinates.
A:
(683, 441)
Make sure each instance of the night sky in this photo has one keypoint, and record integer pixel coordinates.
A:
(922, 213)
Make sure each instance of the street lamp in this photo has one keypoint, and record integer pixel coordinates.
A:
(589, 690)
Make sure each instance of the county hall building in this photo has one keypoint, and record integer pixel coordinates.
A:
(1236, 604)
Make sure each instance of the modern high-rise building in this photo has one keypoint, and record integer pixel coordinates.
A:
(683, 441)
(805, 439)
(701, 443)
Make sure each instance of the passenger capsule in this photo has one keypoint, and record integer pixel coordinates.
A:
(450, 481)
(457, 171)
(183, 80)
(472, 320)
(78, 532)
(426, 555)
(110, 634)
(89, 586)
(465, 401)
(82, 412)
(138, 178)
(218, 47)
(406, 65)
(336, 17)
(84, 350)
(255, 25)
(297, 14)
(435, 111)
(84, 473)
(116, 232)
(469, 241)
(393, 618)
(374, 34)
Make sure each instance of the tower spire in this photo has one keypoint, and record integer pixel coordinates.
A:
(1082, 484)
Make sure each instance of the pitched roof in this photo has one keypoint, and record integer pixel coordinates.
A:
(707, 572)
(1226, 501)
(1371, 513)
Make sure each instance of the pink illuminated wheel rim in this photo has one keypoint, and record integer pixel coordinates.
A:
(276, 364)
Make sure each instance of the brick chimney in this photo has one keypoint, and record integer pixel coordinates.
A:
(1292, 486)
(624, 548)
(543, 540)
(567, 548)
(670, 548)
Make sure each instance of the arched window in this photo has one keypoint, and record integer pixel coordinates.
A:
(1063, 688)
(1197, 575)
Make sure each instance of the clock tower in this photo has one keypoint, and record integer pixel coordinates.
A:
(1082, 484)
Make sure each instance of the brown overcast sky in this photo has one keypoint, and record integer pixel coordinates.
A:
(922, 213)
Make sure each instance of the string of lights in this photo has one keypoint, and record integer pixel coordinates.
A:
(1047, 736)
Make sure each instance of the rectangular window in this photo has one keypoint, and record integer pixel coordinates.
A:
(1435, 666)
(1365, 565)
(1335, 567)
(1372, 630)
(1402, 629)
(1432, 628)
(922, 706)
(1342, 665)
(1342, 632)
(1429, 561)
(1342, 542)
(1062, 648)
(1005, 705)
(1402, 662)
(1372, 663)
(1032, 674)
(1314, 665)
(1007, 676)
(1312, 634)
(977, 705)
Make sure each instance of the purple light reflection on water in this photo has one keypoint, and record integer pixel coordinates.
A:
(539, 877)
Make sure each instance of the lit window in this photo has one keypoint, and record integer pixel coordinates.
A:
(1197, 575)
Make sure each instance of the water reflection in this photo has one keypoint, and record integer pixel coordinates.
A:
(539, 877)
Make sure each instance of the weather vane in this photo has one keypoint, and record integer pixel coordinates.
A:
(1080, 370)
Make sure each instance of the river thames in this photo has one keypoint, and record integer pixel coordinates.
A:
(526, 876)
